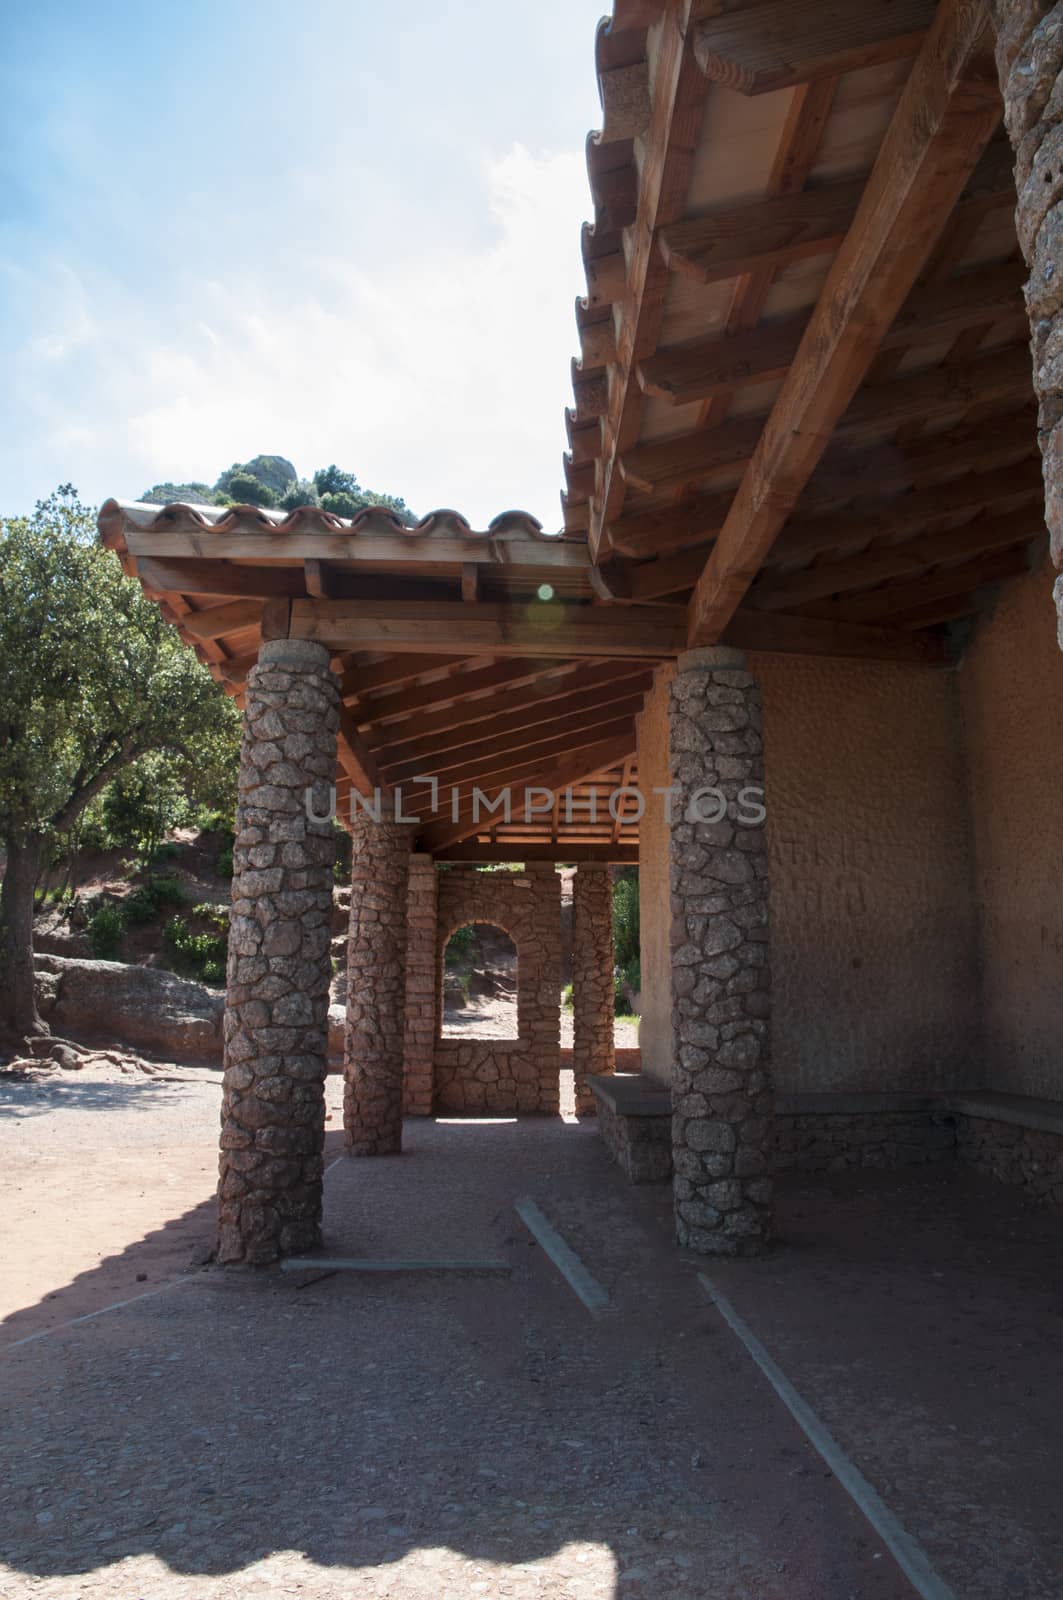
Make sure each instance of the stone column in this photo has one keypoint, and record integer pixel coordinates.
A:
(276, 1004)
(592, 980)
(421, 968)
(1029, 50)
(376, 986)
(721, 1090)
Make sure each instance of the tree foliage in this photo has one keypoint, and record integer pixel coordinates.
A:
(92, 680)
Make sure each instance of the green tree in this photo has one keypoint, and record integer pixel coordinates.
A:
(91, 680)
(244, 490)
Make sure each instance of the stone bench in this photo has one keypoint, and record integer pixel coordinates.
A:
(1015, 1139)
(635, 1121)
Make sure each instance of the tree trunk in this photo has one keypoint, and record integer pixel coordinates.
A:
(1029, 62)
(18, 1003)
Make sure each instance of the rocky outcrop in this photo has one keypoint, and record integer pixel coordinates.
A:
(147, 1007)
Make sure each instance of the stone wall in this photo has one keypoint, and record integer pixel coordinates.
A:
(883, 1141)
(1028, 1157)
(592, 981)
(505, 1075)
(373, 1061)
(1011, 687)
(421, 982)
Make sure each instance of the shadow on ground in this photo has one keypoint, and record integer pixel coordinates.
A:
(427, 1435)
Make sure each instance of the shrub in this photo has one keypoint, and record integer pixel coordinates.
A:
(147, 902)
(199, 955)
(626, 917)
(105, 930)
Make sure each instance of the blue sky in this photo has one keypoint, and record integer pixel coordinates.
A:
(340, 232)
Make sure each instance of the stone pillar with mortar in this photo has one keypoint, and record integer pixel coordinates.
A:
(277, 995)
(1029, 52)
(593, 1049)
(718, 869)
(422, 965)
(376, 984)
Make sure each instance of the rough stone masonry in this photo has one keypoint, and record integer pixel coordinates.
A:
(1029, 51)
(276, 1016)
(721, 1091)
(376, 986)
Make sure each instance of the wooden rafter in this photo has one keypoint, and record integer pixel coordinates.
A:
(779, 43)
(677, 95)
(947, 113)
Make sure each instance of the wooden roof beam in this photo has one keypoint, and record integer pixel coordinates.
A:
(483, 628)
(778, 44)
(354, 756)
(948, 111)
(405, 552)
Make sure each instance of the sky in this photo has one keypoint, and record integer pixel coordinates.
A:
(333, 230)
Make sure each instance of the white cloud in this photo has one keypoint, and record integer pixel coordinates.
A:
(436, 373)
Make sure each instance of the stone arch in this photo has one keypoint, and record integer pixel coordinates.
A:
(505, 1075)
(441, 977)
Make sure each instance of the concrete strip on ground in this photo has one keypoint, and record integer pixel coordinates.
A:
(354, 1264)
(565, 1259)
(908, 1553)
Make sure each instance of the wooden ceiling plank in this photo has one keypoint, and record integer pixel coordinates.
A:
(358, 681)
(947, 113)
(573, 852)
(511, 734)
(860, 524)
(878, 605)
(511, 767)
(674, 463)
(556, 774)
(706, 368)
(488, 714)
(789, 591)
(459, 689)
(782, 634)
(785, 42)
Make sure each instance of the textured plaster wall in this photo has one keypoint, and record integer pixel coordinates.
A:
(1011, 688)
(873, 924)
(874, 942)
(655, 1026)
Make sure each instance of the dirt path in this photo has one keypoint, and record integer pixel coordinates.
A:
(495, 1017)
(419, 1436)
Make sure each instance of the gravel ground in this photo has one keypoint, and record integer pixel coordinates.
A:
(243, 1434)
